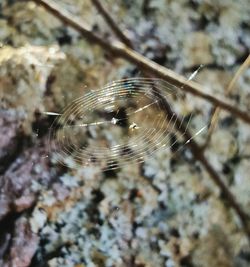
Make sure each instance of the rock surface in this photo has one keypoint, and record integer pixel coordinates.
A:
(162, 212)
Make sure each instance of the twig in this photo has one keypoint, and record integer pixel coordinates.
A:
(113, 25)
(161, 72)
(120, 50)
(199, 156)
(216, 111)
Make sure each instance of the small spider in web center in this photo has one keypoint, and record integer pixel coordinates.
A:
(133, 126)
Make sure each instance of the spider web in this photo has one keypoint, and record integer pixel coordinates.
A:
(121, 123)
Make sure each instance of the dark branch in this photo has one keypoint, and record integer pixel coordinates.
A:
(120, 50)
(112, 24)
(156, 70)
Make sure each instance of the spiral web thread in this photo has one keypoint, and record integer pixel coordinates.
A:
(116, 125)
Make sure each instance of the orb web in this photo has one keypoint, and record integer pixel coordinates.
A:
(121, 123)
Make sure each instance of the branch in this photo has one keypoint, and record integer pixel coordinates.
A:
(145, 64)
(120, 50)
(198, 154)
(216, 111)
(196, 150)
(112, 24)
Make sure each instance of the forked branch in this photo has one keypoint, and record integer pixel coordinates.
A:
(120, 50)
(123, 51)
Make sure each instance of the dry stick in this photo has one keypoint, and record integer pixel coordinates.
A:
(179, 81)
(216, 111)
(120, 50)
(196, 151)
(113, 25)
(199, 156)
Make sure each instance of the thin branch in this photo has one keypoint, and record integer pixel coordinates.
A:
(179, 81)
(147, 65)
(216, 111)
(198, 154)
(120, 50)
(196, 151)
(112, 24)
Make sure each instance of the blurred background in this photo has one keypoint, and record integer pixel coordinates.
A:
(164, 211)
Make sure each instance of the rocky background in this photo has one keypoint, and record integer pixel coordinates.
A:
(163, 212)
